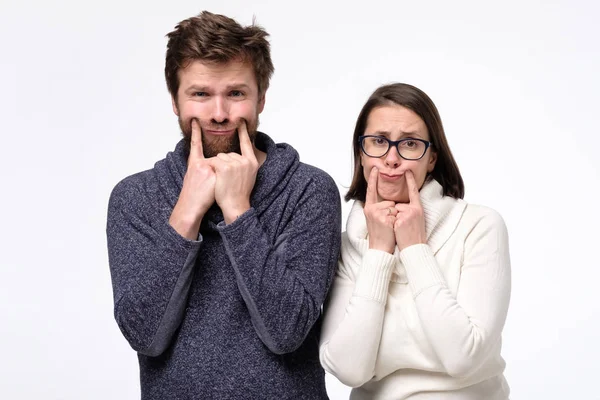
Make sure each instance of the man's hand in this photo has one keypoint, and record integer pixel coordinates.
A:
(380, 217)
(236, 175)
(409, 227)
(198, 191)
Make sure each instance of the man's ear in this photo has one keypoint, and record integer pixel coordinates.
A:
(174, 103)
(261, 103)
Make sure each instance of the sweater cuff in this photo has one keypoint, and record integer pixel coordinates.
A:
(239, 223)
(179, 240)
(421, 267)
(374, 275)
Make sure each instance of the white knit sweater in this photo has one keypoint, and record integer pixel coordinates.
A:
(426, 322)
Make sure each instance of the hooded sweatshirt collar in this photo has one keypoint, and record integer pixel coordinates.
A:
(272, 176)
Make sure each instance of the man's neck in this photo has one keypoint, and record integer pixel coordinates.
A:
(261, 156)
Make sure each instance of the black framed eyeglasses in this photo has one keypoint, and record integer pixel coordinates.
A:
(378, 146)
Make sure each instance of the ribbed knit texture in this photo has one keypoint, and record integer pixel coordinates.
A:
(374, 276)
(425, 322)
(427, 274)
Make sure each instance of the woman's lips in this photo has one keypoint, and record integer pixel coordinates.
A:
(390, 178)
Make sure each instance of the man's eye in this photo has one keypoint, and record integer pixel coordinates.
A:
(236, 93)
(200, 94)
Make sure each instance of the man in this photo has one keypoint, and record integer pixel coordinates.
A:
(222, 254)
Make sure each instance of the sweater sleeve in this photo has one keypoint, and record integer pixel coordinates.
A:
(284, 283)
(354, 316)
(463, 329)
(151, 268)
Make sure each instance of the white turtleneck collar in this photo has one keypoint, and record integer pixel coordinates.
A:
(442, 214)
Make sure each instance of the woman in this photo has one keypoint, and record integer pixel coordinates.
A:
(421, 294)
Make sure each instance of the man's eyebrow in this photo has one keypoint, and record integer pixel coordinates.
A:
(196, 88)
(204, 88)
(234, 86)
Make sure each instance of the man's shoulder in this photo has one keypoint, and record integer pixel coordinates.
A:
(163, 180)
(286, 166)
(316, 182)
(312, 173)
(308, 174)
(132, 188)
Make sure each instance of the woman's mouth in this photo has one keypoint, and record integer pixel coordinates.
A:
(390, 178)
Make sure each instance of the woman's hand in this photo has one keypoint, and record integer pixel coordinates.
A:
(409, 225)
(380, 217)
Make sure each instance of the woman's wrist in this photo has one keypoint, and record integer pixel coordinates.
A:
(375, 245)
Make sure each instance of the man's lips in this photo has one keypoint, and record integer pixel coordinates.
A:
(219, 132)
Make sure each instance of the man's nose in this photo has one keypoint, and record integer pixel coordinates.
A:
(220, 110)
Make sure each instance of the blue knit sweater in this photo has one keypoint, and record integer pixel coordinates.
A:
(235, 314)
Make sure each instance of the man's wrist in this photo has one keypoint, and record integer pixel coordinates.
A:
(186, 225)
(230, 214)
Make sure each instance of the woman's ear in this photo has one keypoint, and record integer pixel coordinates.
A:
(432, 161)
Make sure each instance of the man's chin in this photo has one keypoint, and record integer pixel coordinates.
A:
(220, 144)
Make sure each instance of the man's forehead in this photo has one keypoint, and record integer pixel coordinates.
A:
(213, 73)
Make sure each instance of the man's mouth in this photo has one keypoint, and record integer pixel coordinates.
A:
(219, 132)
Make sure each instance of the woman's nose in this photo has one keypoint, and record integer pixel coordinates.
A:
(392, 158)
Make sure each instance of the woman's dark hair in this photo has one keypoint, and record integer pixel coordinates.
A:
(445, 171)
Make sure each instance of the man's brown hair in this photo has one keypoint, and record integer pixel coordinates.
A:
(445, 171)
(218, 39)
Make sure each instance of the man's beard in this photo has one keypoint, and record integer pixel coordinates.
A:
(218, 144)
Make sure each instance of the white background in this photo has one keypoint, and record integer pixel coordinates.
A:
(83, 104)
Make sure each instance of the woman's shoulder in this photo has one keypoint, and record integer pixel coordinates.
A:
(478, 212)
(483, 219)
